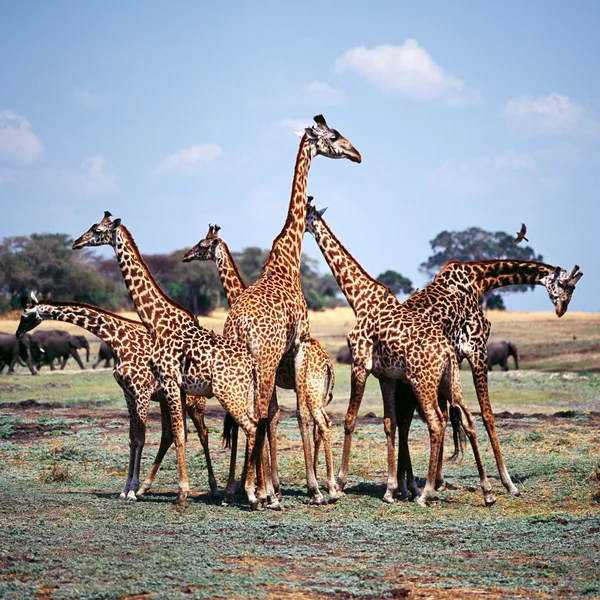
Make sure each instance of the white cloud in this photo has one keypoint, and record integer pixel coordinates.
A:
(189, 160)
(18, 144)
(324, 93)
(552, 114)
(409, 71)
(85, 98)
(475, 178)
(93, 178)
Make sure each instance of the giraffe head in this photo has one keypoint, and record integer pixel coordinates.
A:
(561, 285)
(329, 142)
(205, 249)
(30, 318)
(99, 234)
(312, 215)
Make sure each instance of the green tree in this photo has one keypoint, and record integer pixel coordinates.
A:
(396, 282)
(477, 244)
(46, 264)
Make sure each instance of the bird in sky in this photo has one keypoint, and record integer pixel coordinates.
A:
(521, 234)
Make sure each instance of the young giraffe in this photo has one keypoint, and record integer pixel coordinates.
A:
(319, 370)
(392, 343)
(133, 346)
(185, 356)
(270, 316)
(452, 302)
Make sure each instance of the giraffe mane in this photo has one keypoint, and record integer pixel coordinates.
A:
(149, 275)
(90, 307)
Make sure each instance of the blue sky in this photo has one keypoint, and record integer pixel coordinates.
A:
(176, 115)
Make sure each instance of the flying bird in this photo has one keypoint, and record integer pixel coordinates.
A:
(521, 234)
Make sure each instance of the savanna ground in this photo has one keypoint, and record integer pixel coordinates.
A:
(64, 533)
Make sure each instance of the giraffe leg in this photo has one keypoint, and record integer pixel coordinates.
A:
(436, 426)
(358, 380)
(388, 389)
(171, 386)
(303, 416)
(230, 490)
(405, 408)
(166, 440)
(479, 368)
(195, 406)
(440, 483)
(274, 416)
(138, 415)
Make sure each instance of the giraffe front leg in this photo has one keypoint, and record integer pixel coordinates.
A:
(195, 406)
(436, 427)
(388, 389)
(405, 408)
(166, 440)
(274, 416)
(171, 385)
(358, 379)
(138, 414)
(303, 416)
(479, 368)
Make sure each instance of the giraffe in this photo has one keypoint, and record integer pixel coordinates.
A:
(394, 344)
(133, 345)
(185, 356)
(451, 300)
(270, 316)
(320, 377)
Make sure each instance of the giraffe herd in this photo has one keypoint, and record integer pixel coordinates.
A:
(414, 349)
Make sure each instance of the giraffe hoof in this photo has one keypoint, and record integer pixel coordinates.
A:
(256, 505)
(274, 505)
(335, 496)
(131, 496)
(421, 501)
(388, 498)
(122, 496)
(489, 500)
(317, 500)
(441, 487)
(516, 493)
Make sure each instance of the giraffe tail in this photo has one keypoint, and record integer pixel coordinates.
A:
(458, 432)
(228, 425)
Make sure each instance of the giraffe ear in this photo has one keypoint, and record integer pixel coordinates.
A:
(322, 211)
(34, 300)
(215, 242)
(299, 133)
(116, 223)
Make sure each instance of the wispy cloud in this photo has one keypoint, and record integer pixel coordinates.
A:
(94, 179)
(553, 114)
(408, 71)
(18, 143)
(85, 98)
(189, 160)
(324, 93)
(476, 177)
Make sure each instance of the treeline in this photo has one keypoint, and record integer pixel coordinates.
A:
(46, 264)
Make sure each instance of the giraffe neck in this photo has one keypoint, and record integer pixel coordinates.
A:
(357, 285)
(285, 255)
(154, 308)
(102, 323)
(232, 281)
(486, 275)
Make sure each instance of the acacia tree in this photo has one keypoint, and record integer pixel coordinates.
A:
(45, 263)
(397, 283)
(477, 244)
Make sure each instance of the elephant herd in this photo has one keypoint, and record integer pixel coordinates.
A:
(498, 354)
(48, 347)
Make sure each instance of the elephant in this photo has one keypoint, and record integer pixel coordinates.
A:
(57, 344)
(13, 351)
(106, 354)
(79, 342)
(344, 356)
(498, 353)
